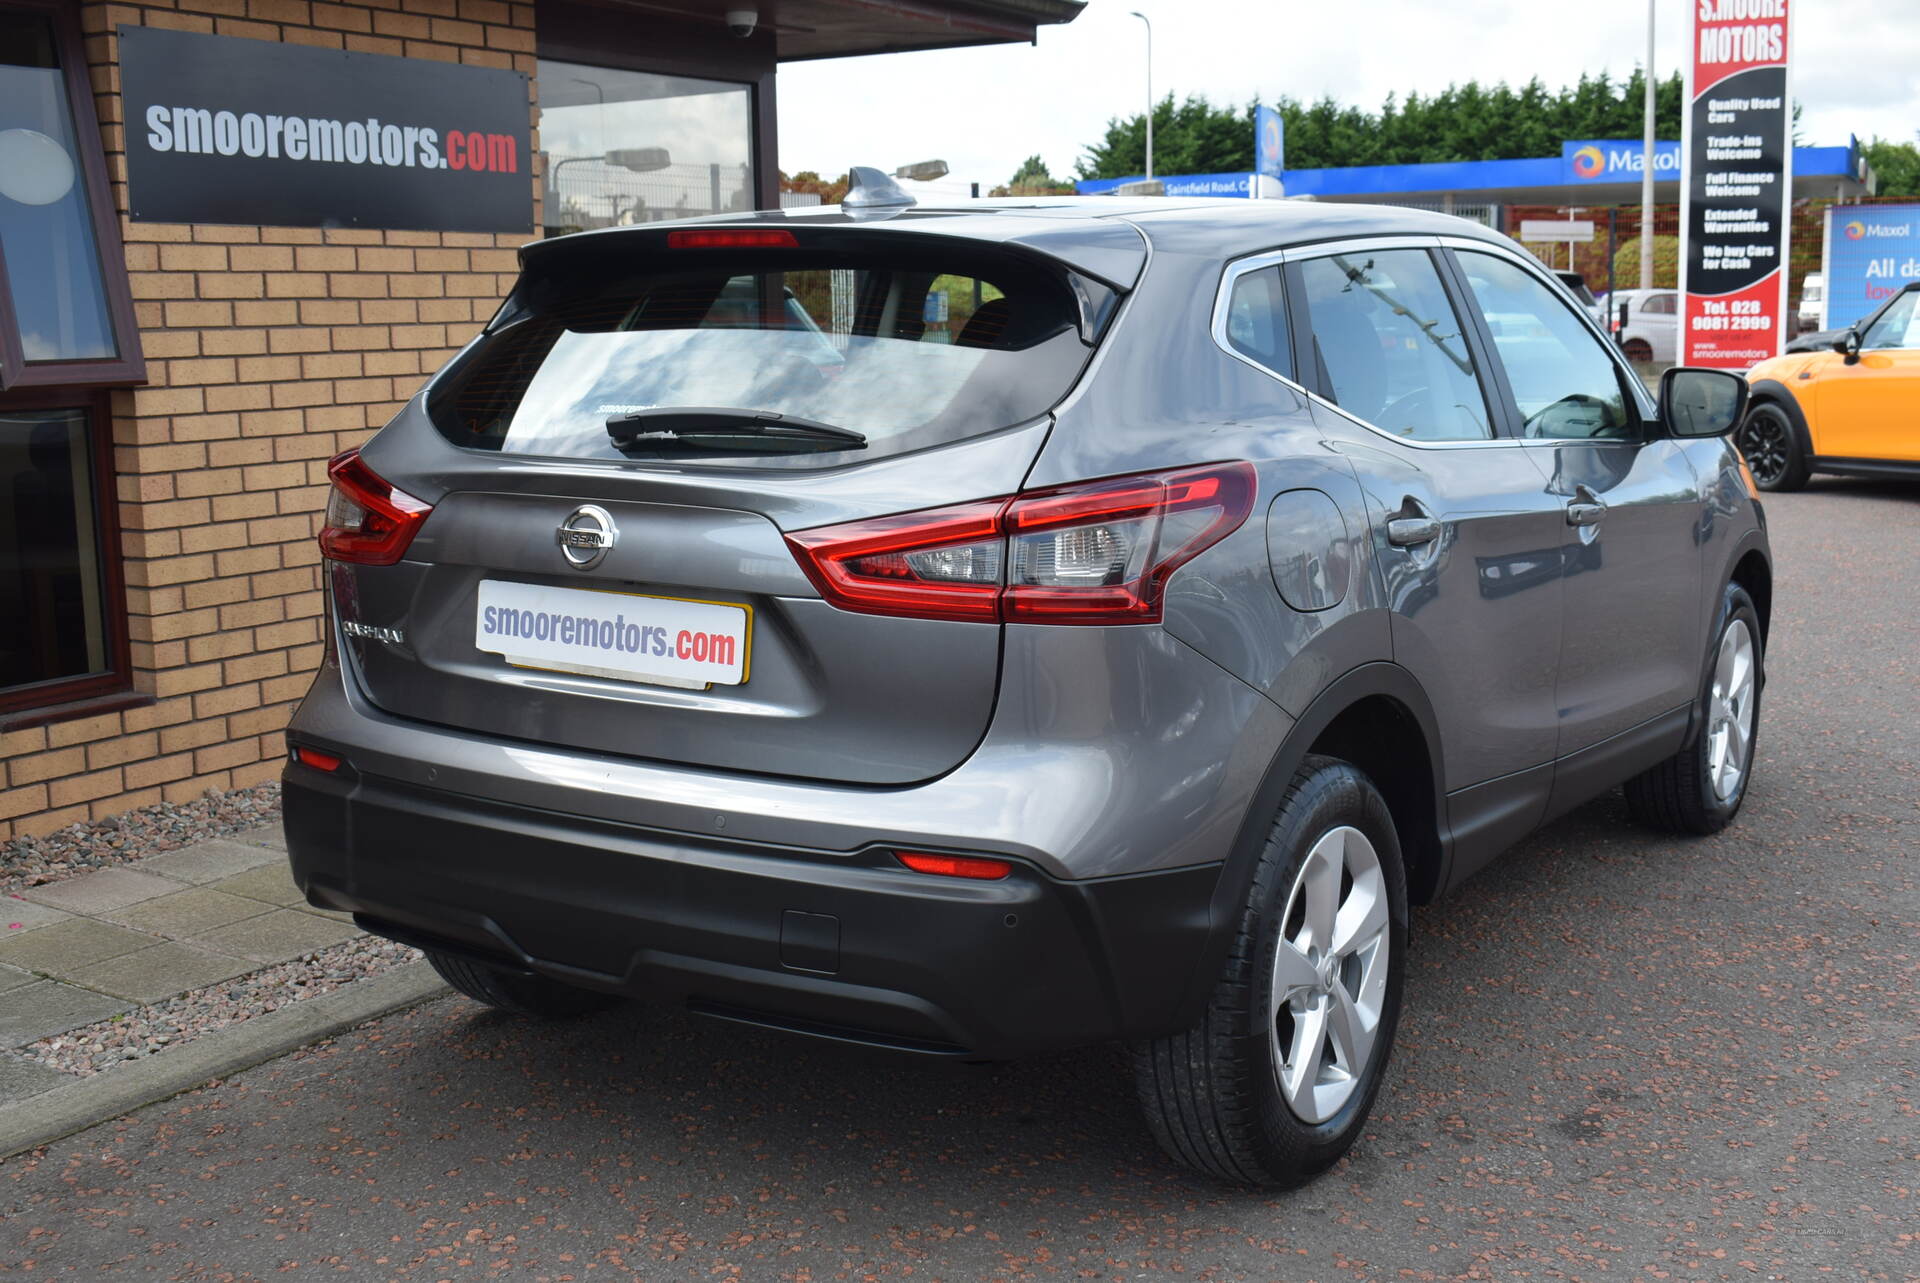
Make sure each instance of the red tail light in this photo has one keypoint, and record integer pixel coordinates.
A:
(1097, 553)
(955, 866)
(316, 759)
(368, 522)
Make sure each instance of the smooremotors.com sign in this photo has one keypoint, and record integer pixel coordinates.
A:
(227, 130)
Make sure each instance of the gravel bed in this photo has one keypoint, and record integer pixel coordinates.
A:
(146, 1030)
(119, 839)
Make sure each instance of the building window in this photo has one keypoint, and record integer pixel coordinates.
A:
(626, 146)
(65, 313)
(58, 572)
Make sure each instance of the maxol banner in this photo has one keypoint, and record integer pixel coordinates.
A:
(228, 130)
(1869, 254)
(1736, 184)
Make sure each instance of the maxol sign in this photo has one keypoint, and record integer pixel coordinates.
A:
(1603, 160)
(1868, 253)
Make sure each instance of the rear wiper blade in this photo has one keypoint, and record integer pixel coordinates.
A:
(663, 425)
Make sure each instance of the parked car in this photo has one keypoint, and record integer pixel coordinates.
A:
(1813, 289)
(1577, 286)
(1239, 574)
(1646, 324)
(1852, 407)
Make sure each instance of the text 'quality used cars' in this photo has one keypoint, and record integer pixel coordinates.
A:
(988, 630)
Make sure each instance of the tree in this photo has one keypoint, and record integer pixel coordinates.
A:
(1461, 122)
(1666, 263)
(1033, 179)
(1896, 164)
(830, 191)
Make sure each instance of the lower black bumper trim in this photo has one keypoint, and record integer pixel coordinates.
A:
(935, 965)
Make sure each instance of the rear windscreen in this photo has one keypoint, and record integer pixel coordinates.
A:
(909, 347)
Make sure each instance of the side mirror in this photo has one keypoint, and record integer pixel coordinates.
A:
(1848, 346)
(1702, 403)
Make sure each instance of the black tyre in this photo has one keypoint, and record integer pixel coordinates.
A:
(1771, 447)
(1699, 789)
(523, 995)
(1638, 350)
(1276, 1080)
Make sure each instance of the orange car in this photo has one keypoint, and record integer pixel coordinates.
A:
(1852, 407)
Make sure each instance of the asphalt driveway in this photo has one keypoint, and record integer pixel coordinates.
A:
(1624, 1057)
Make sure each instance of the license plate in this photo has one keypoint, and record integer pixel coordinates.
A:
(663, 641)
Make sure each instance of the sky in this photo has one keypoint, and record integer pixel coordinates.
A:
(985, 110)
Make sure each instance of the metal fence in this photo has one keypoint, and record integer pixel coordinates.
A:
(584, 192)
(1616, 239)
(1485, 215)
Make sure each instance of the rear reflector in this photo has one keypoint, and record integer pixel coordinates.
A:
(733, 238)
(368, 522)
(316, 759)
(955, 866)
(1097, 553)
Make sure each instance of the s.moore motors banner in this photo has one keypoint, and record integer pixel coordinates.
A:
(1736, 184)
(228, 130)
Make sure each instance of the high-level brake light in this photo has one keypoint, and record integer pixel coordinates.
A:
(368, 521)
(1095, 553)
(733, 238)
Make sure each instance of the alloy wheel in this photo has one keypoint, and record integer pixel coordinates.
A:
(1329, 975)
(1730, 711)
(1764, 443)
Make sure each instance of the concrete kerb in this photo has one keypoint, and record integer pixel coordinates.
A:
(61, 1111)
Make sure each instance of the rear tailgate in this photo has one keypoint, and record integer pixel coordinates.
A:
(696, 637)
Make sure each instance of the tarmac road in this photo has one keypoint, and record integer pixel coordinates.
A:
(1624, 1057)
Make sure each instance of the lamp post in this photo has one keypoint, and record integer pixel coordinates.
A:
(1143, 17)
(1646, 169)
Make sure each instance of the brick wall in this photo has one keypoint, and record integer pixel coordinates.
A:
(268, 350)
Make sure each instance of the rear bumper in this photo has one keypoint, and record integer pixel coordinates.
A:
(844, 944)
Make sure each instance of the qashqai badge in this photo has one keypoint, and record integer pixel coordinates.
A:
(586, 535)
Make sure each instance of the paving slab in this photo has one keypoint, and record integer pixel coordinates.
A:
(159, 972)
(24, 915)
(188, 913)
(21, 1078)
(41, 1010)
(76, 942)
(272, 883)
(277, 936)
(14, 977)
(267, 835)
(205, 862)
(101, 892)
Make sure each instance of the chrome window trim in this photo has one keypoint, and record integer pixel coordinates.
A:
(1236, 268)
(1239, 267)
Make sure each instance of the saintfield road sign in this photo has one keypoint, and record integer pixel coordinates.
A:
(227, 130)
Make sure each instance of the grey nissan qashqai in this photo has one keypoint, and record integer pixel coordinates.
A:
(993, 629)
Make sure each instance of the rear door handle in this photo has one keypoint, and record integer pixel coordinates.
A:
(1585, 514)
(1411, 532)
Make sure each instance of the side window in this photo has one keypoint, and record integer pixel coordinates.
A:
(1658, 305)
(1389, 347)
(1564, 383)
(1898, 326)
(1257, 321)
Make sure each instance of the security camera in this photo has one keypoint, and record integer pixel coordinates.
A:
(741, 22)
